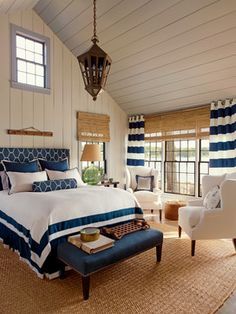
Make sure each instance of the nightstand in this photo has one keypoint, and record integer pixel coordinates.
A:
(108, 184)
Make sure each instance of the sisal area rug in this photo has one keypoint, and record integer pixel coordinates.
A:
(179, 284)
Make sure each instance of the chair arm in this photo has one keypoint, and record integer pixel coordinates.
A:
(196, 202)
(130, 190)
(157, 191)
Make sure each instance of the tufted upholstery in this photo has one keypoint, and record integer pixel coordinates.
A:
(28, 154)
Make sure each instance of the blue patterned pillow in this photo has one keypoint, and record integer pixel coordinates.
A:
(61, 165)
(54, 185)
(30, 166)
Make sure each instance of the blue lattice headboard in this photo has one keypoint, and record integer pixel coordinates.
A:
(27, 154)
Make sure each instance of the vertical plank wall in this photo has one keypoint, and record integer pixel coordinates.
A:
(55, 112)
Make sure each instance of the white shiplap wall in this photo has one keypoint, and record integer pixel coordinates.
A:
(55, 112)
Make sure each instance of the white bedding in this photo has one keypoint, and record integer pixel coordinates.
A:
(54, 214)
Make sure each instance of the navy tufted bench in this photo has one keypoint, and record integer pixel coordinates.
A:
(130, 245)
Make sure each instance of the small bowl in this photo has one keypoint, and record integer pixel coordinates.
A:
(89, 234)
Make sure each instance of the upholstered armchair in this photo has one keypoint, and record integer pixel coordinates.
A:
(148, 200)
(200, 223)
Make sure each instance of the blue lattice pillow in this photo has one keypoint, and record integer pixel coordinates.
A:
(54, 185)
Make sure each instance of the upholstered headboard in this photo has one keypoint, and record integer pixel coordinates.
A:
(27, 154)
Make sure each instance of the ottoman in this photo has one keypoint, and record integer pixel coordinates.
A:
(124, 248)
(172, 208)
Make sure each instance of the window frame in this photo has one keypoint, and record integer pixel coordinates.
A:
(179, 162)
(17, 30)
(148, 162)
(199, 194)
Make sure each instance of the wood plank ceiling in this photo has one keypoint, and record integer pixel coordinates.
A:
(167, 54)
(11, 6)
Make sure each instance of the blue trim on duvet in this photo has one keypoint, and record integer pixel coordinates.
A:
(17, 242)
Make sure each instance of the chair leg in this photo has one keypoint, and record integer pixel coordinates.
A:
(234, 242)
(180, 230)
(160, 215)
(193, 244)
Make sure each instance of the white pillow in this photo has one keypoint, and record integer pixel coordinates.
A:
(212, 199)
(4, 179)
(68, 174)
(22, 181)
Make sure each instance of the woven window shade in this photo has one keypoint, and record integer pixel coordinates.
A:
(93, 127)
(184, 124)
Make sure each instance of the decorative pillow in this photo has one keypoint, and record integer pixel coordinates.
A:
(61, 165)
(54, 185)
(30, 166)
(68, 174)
(22, 182)
(3, 181)
(144, 183)
(212, 199)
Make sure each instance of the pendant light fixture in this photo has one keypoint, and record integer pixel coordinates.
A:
(94, 64)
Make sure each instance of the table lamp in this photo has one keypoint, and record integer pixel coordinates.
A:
(92, 174)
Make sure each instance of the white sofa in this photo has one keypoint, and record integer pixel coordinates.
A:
(220, 223)
(147, 200)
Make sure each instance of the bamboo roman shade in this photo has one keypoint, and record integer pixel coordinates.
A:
(190, 123)
(93, 127)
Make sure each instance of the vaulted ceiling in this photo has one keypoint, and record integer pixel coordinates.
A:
(167, 54)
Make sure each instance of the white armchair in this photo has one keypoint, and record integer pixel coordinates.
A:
(200, 223)
(147, 200)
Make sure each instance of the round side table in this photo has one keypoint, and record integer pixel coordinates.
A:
(172, 208)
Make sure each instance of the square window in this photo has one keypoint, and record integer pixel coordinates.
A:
(21, 77)
(20, 42)
(30, 79)
(38, 58)
(21, 66)
(29, 55)
(30, 60)
(31, 68)
(29, 45)
(20, 53)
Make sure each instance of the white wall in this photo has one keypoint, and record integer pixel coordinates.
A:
(55, 112)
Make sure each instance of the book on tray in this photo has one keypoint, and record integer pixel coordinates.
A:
(92, 247)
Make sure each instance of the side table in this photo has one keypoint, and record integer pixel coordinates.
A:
(108, 184)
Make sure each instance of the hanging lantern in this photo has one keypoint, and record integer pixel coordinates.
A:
(94, 64)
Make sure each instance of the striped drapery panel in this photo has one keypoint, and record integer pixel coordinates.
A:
(135, 156)
(223, 137)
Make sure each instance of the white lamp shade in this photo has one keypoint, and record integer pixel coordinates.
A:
(91, 152)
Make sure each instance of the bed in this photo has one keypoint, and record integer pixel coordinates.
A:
(33, 224)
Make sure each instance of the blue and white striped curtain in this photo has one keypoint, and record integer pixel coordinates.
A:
(135, 156)
(223, 137)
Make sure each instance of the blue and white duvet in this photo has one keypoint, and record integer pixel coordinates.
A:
(31, 222)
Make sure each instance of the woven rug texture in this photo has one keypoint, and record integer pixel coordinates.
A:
(179, 284)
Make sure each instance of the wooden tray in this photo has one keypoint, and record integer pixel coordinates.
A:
(118, 231)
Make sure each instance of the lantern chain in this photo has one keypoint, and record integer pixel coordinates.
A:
(95, 38)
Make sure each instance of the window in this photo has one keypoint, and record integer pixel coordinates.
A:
(30, 60)
(100, 164)
(153, 158)
(180, 158)
(203, 167)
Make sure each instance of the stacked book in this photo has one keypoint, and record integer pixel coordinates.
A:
(92, 247)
